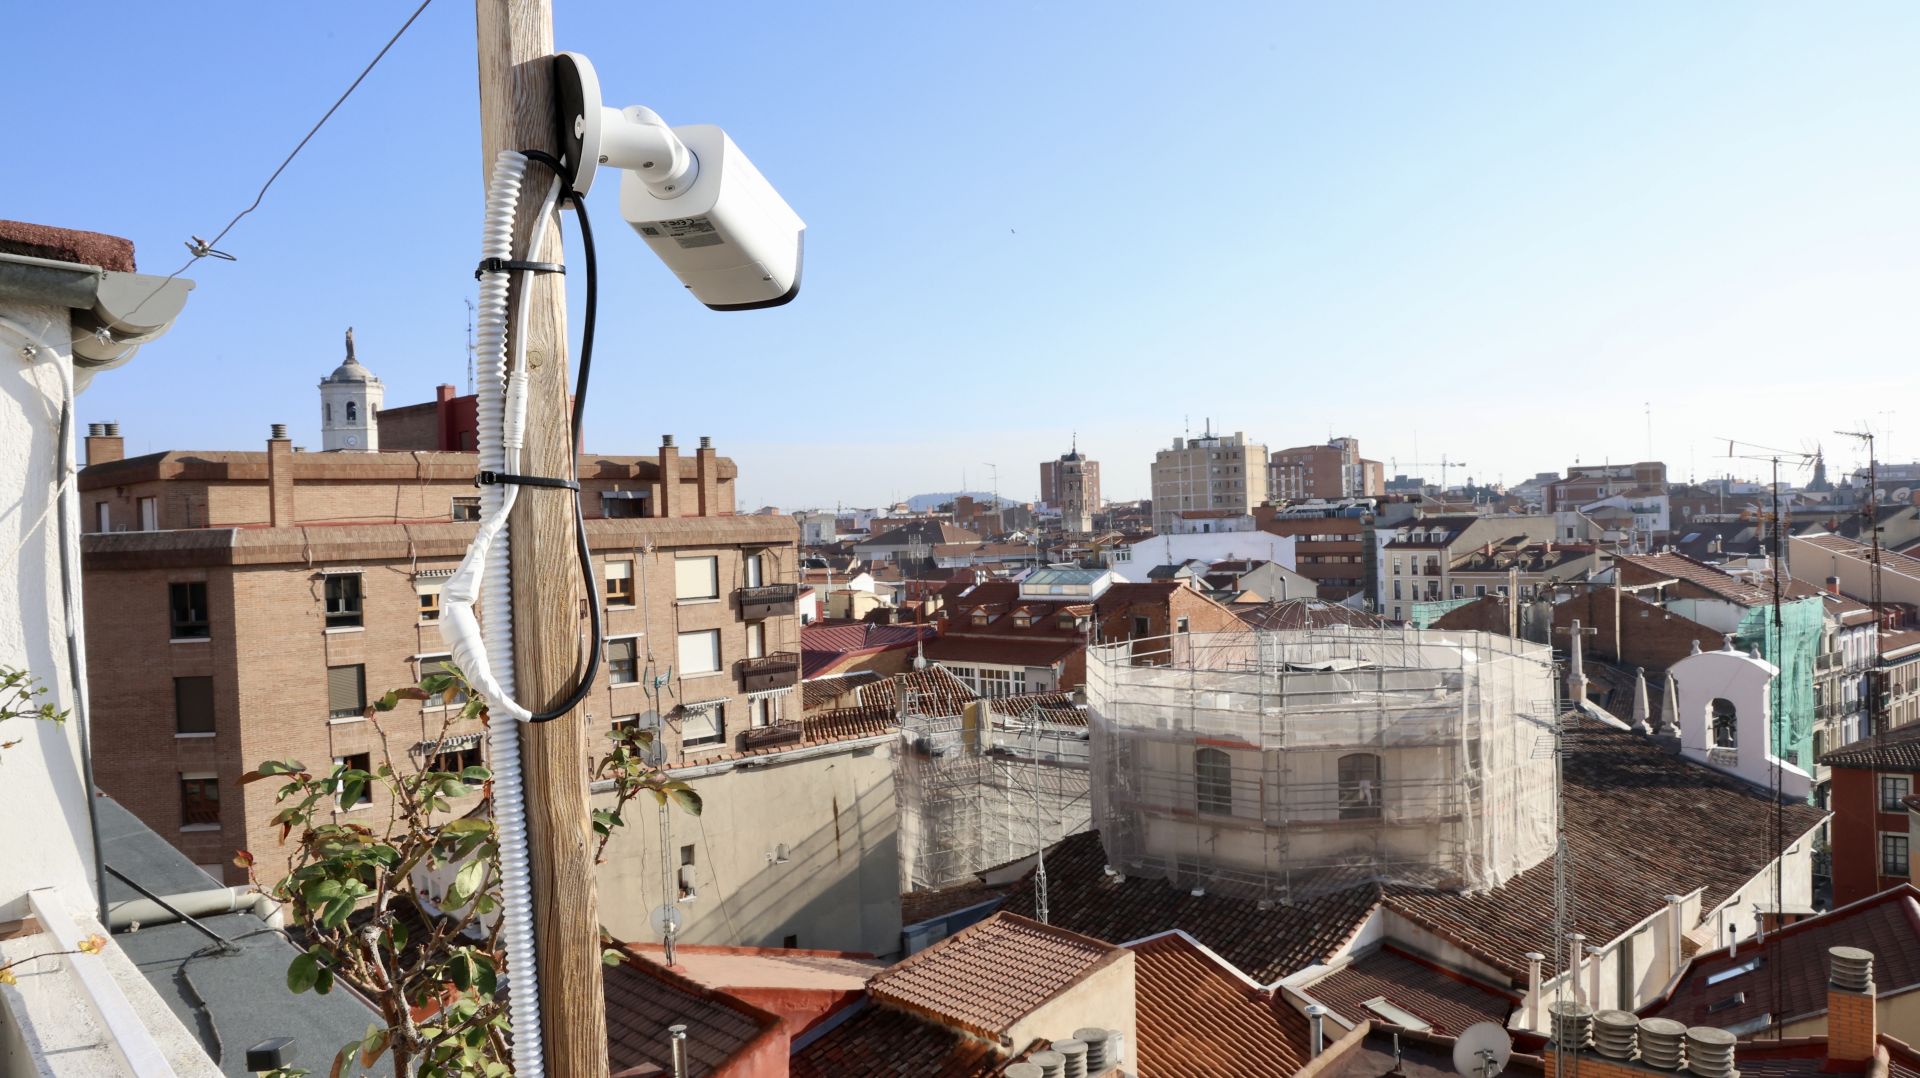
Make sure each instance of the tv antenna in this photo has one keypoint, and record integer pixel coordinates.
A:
(1482, 1050)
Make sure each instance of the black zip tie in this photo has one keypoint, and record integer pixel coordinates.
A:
(485, 478)
(502, 265)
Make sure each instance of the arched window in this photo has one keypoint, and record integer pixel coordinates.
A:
(350, 412)
(1726, 733)
(1213, 781)
(326, 409)
(1360, 786)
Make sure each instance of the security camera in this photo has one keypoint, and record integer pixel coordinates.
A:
(690, 193)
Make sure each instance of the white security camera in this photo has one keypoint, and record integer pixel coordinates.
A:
(690, 193)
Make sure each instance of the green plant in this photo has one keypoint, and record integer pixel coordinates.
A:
(353, 889)
(20, 699)
(632, 773)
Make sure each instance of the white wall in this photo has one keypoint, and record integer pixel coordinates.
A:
(1141, 558)
(45, 840)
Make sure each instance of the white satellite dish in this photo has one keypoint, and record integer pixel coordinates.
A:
(1482, 1050)
(1903, 495)
(666, 919)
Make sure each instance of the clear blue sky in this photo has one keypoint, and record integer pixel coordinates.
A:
(1495, 231)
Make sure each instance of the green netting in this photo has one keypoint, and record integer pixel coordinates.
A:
(1792, 649)
(1423, 615)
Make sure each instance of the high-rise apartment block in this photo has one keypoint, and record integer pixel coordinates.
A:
(245, 606)
(1213, 472)
(1072, 485)
(1325, 472)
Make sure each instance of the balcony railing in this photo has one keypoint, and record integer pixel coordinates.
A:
(766, 737)
(1832, 660)
(768, 601)
(775, 670)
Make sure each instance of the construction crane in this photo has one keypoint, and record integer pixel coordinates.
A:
(1443, 464)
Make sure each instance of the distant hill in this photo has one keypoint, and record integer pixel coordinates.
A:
(921, 503)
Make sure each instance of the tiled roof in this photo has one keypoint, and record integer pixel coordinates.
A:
(1897, 749)
(934, 692)
(822, 645)
(883, 1043)
(1265, 944)
(1898, 645)
(920, 532)
(1054, 707)
(1035, 651)
(819, 692)
(1304, 614)
(1679, 566)
(1641, 823)
(917, 906)
(1448, 1001)
(1791, 982)
(1198, 1018)
(818, 728)
(987, 977)
(645, 997)
(1806, 1057)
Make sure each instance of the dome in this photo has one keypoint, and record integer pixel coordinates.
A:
(351, 371)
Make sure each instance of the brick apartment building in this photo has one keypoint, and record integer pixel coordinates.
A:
(1871, 841)
(244, 606)
(1324, 472)
(1333, 544)
(1587, 483)
(1213, 471)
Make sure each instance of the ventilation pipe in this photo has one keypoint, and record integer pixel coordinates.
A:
(1572, 1024)
(1574, 940)
(1661, 1043)
(1534, 959)
(1074, 1051)
(677, 1042)
(1615, 1034)
(1023, 1070)
(1710, 1052)
(1095, 1039)
(1051, 1063)
(1317, 1018)
(1594, 955)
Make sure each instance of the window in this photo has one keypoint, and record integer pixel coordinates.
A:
(326, 411)
(1181, 625)
(688, 890)
(466, 509)
(1360, 786)
(429, 593)
(193, 705)
(187, 610)
(102, 517)
(699, 653)
(696, 578)
(1396, 589)
(1141, 626)
(995, 683)
(1459, 591)
(1479, 591)
(363, 792)
(346, 691)
(1893, 855)
(623, 666)
(619, 508)
(149, 514)
(437, 664)
(1726, 725)
(353, 411)
(455, 761)
(199, 801)
(620, 582)
(756, 569)
(760, 711)
(756, 639)
(1213, 781)
(703, 724)
(343, 601)
(1893, 790)
(790, 942)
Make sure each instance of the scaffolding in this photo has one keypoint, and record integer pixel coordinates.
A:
(1281, 765)
(985, 787)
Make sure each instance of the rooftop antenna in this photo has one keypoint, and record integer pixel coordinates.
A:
(470, 389)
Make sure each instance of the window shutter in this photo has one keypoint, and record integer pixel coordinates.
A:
(346, 687)
(620, 570)
(696, 578)
(193, 705)
(699, 652)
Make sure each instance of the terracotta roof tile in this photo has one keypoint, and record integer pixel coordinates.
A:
(989, 976)
(1791, 982)
(645, 997)
(1053, 707)
(934, 691)
(1897, 749)
(883, 1043)
(1723, 584)
(1265, 944)
(1198, 1018)
(1448, 1001)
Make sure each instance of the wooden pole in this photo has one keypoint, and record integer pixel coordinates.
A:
(516, 112)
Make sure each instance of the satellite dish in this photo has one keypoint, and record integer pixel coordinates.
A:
(665, 920)
(1482, 1050)
(1879, 494)
(1903, 495)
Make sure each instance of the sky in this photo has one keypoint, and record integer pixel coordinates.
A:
(1516, 236)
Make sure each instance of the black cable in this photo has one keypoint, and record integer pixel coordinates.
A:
(569, 195)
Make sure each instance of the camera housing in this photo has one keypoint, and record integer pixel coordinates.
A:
(689, 192)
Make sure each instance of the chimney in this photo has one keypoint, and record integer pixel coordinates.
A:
(706, 466)
(1023, 1070)
(1660, 1043)
(1852, 1031)
(1833, 585)
(1074, 1051)
(669, 477)
(1317, 1018)
(1534, 959)
(1574, 940)
(1051, 1063)
(1710, 1052)
(104, 443)
(1572, 1024)
(279, 478)
(677, 1041)
(1616, 1034)
(1099, 1042)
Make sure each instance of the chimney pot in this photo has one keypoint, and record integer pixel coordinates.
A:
(1095, 1039)
(1710, 1052)
(95, 430)
(1317, 1018)
(1051, 1063)
(706, 441)
(1660, 1043)
(1572, 1024)
(677, 1040)
(1852, 969)
(666, 439)
(113, 430)
(1075, 1052)
(1615, 1034)
(279, 432)
(1023, 1070)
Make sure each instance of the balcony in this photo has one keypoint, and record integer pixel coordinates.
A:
(768, 601)
(775, 670)
(767, 737)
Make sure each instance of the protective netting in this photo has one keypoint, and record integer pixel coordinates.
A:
(1282, 765)
(1792, 648)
